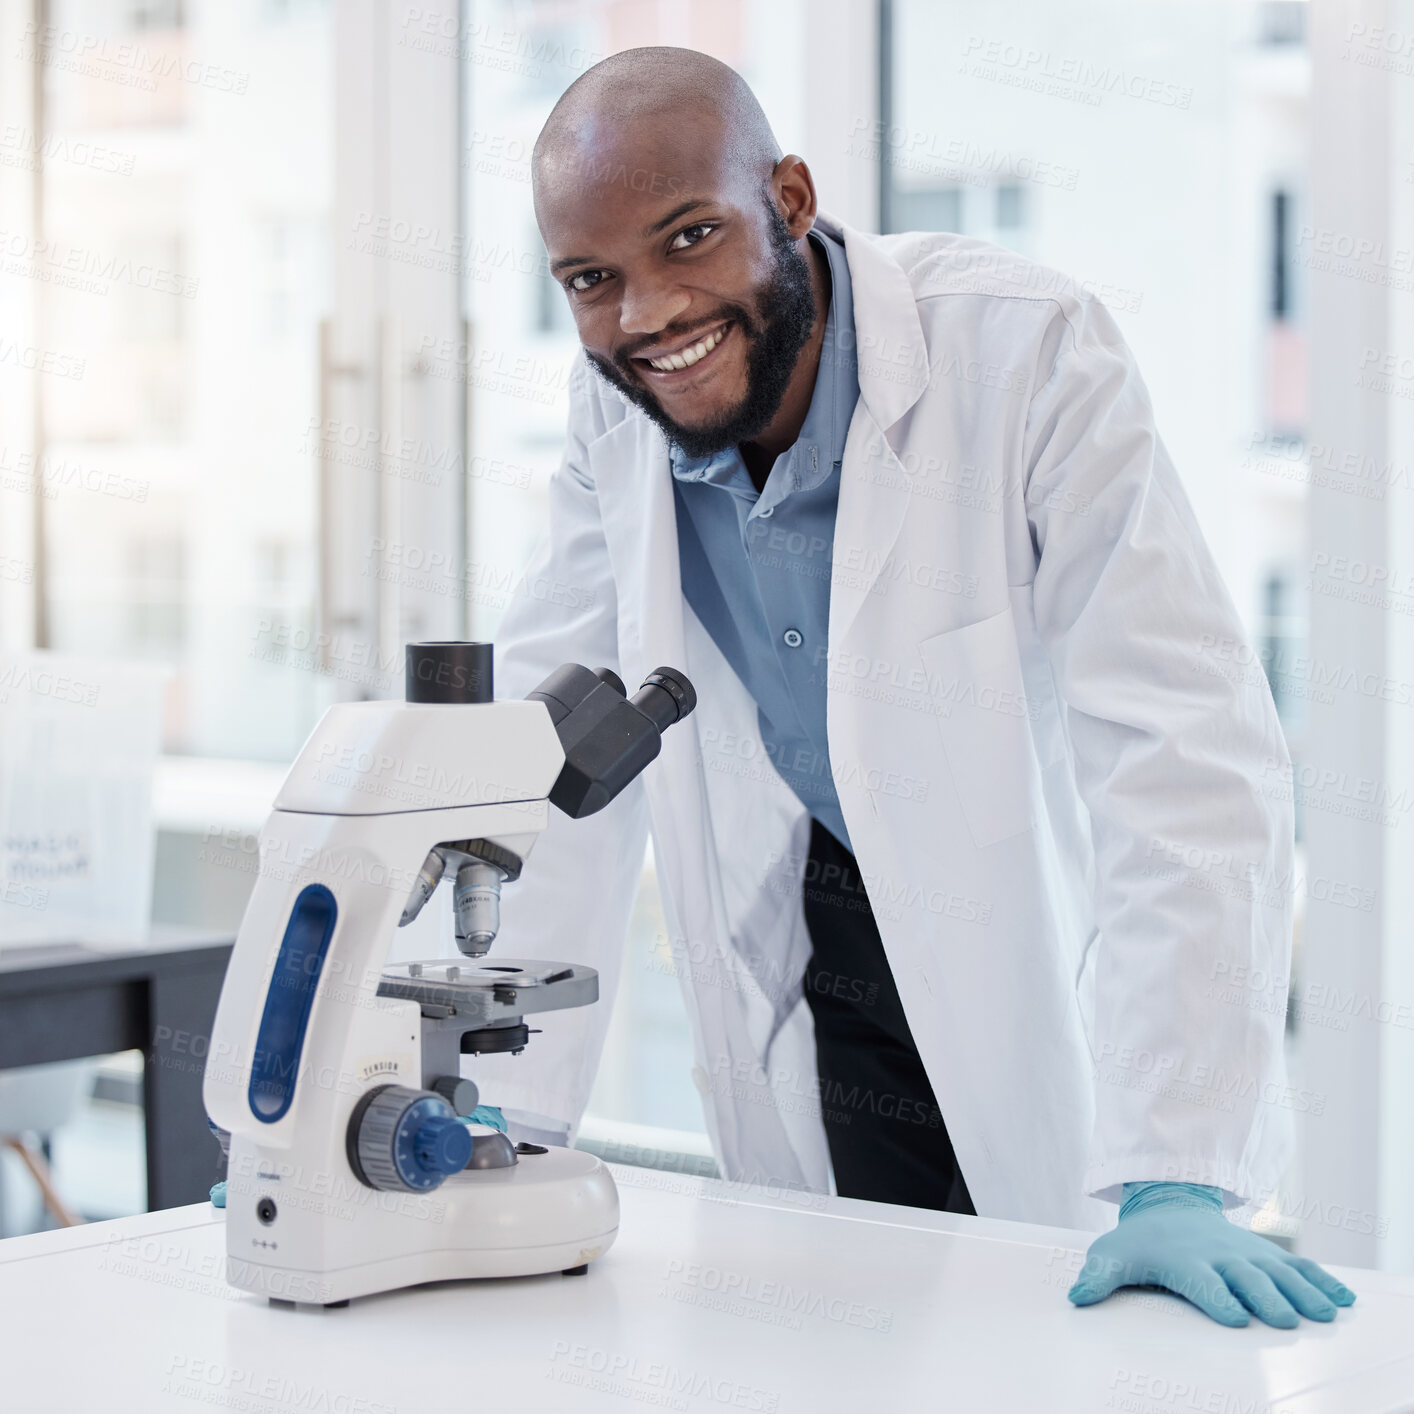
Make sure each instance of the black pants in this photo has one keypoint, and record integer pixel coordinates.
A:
(886, 1134)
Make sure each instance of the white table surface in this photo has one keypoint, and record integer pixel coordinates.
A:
(833, 1304)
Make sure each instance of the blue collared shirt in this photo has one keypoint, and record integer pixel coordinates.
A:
(756, 567)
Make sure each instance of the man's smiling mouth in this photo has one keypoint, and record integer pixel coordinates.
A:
(685, 355)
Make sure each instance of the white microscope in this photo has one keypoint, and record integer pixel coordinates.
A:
(338, 1078)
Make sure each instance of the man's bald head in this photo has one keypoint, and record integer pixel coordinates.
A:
(654, 91)
(678, 232)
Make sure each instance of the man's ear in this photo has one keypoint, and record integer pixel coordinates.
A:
(794, 191)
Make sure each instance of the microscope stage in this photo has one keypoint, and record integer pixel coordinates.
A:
(481, 991)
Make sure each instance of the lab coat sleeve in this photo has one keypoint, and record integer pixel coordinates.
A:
(574, 898)
(1180, 760)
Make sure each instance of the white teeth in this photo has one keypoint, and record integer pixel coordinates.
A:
(688, 357)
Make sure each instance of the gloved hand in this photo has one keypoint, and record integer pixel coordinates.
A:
(1174, 1235)
(487, 1114)
(223, 1138)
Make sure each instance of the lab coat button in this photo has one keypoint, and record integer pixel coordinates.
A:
(793, 638)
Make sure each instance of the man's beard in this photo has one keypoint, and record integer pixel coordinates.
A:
(774, 341)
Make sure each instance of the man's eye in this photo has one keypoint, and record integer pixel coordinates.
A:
(584, 281)
(690, 235)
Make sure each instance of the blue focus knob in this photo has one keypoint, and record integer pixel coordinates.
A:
(405, 1139)
(442, 1145)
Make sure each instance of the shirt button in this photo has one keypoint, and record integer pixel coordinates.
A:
(793, 638)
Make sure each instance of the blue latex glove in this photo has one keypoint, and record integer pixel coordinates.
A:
(218, 1194)
(487, 1114)
(1174, 1235)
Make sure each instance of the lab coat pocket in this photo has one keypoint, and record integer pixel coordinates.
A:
(975, 677)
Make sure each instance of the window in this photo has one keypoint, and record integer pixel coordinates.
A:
(183, 261)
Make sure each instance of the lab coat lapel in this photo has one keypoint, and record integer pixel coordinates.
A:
(631, 472)
(893, 355)
(893, 375)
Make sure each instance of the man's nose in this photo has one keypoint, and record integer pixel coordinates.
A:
(648, 306)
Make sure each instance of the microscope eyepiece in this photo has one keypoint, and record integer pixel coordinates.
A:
(608, 737)
(666, 696)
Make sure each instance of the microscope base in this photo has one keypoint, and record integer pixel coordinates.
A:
(550, 1213)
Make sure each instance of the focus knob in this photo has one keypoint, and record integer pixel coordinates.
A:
(405, 1139)
(441, 1145)
(459, 1092)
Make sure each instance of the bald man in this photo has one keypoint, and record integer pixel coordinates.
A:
(716, 305)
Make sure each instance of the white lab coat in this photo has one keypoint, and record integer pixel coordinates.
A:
(1059, 779)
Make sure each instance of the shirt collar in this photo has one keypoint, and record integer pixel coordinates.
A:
(826, 425)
